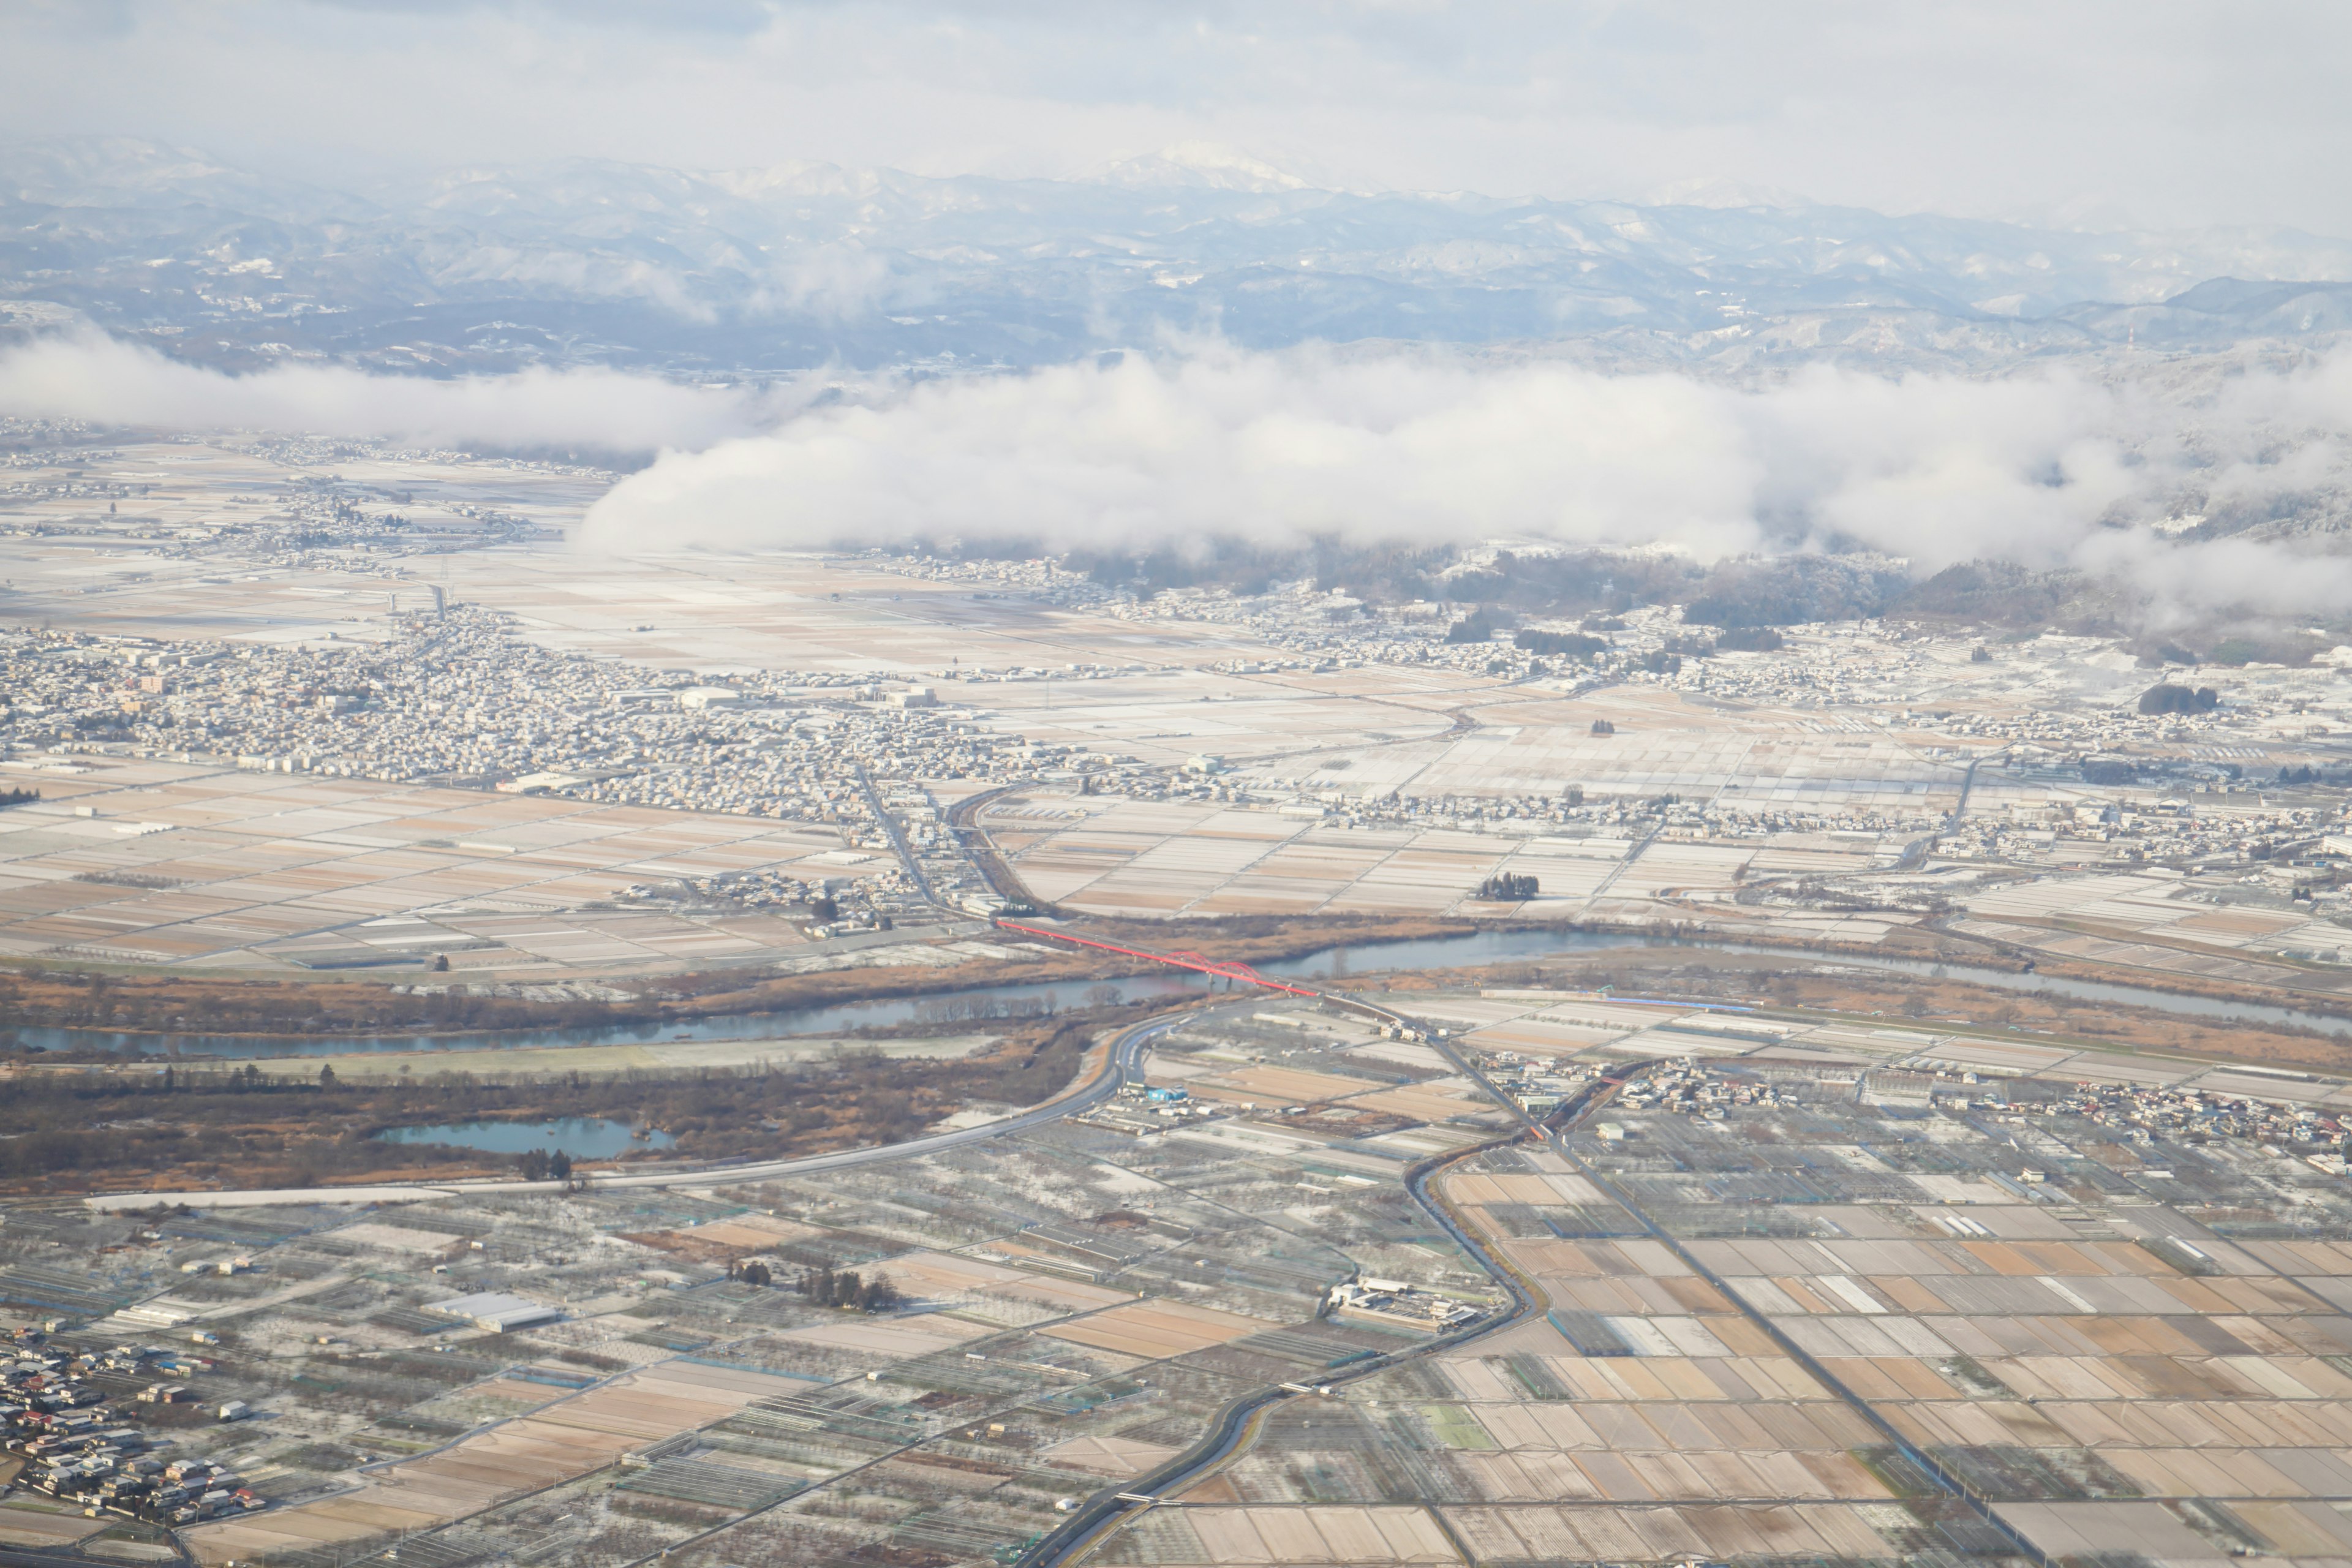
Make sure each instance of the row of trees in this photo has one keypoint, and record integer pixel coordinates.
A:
(2165, 697)
(823, 1287)
(179, 1005)
(544, 1165)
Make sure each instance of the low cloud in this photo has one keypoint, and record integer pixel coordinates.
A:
(2050, 470)
(105, 381)
(2056, 469)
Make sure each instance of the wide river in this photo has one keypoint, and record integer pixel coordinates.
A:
(1331, 967)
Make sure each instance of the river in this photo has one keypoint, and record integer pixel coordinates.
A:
(1332, 966)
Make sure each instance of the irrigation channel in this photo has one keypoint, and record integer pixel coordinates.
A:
(981, 1004)
(1553, 1133)
(1236, 1424)
(1122, 1063)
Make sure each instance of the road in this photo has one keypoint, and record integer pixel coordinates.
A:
(1950, 1484)
(1632, 855)
(963, 821)
(26, 1557)
(1916, 853)
(898, 837)
(1121, 1064)
(1235, 1425)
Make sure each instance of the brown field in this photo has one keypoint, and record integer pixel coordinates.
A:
(1509, 1188)
(1117, 1458)
(1156, 1329)
(1276, 1085)
(1903, 999)
(1424, 1102)
(892, 1338)
(939, 1274)
(566, 1438)
(1313, 1535)
(1652, 1534)
(22, 1525)
(271, 871)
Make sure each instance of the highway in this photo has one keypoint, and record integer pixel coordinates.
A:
(1122, 1064)
(1622, 867)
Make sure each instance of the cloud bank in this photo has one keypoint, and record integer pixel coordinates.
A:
(2051, 469)
(104, 381)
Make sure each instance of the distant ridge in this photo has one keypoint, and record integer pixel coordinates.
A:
(799, 265)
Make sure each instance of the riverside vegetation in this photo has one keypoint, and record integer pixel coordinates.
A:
(194, 1128)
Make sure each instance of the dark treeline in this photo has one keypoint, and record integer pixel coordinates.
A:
(1574, 645)
(544, 1166)
(2166, 698)
(1778, 592)
(1739, 595)
(275, 1007)
(250, 1127)
(1393, 573)
(871, 1293)
(1580, 581)
(1378, 571)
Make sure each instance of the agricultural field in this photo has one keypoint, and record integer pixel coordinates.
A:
(1794, 1281)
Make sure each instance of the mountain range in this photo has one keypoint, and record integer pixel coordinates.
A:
(729, 274)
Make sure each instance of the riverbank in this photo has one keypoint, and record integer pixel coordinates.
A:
(144, 1010)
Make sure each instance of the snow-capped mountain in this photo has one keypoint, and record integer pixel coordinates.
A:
(769, 270)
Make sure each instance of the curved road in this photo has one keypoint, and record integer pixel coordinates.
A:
(1122, 1064)
(1236, 1422)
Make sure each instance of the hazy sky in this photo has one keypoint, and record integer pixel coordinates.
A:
(2152, 112)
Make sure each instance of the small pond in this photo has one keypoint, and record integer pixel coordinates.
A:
(582, 1137)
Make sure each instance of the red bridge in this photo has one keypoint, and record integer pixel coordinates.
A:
(1229, 969)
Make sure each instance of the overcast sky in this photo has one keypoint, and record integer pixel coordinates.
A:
(2108, 113)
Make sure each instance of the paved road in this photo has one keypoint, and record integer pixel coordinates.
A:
(1952, 1485)
(1122, 1065)
(963, 821)
(1632, 855)
(1916, 853)
(1233, 1428)
(914, 867)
